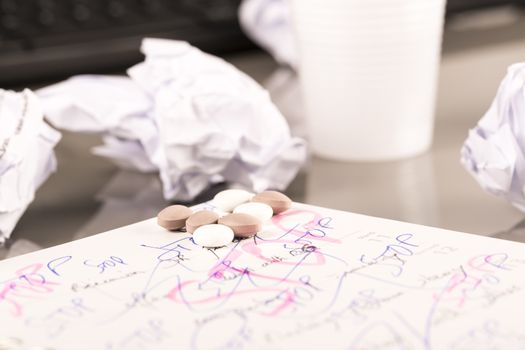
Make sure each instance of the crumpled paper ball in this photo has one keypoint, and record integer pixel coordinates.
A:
(494, 152)
(269, 24)
(189, 115)
(26, 155)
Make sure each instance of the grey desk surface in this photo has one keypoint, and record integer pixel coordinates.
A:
(89, 194)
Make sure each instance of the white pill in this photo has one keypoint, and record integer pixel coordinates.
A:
(213, 235)
(227, 200)
(261, 211)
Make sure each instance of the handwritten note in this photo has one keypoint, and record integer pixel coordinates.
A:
(313, 278)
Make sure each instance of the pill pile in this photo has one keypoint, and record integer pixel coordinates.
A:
(246, 214)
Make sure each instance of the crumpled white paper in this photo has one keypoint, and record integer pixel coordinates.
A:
(494, 152)
(269, 24)
(192, 116)
(26, 155)
(114, 106)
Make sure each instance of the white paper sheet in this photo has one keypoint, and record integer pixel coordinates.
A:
(26, 155)
(494, 152)
(269, 24)
(192, 116)
(314, 278)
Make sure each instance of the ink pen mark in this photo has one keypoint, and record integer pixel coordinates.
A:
(256, 237)
(227, 297)
(212, 250)
(52, 265)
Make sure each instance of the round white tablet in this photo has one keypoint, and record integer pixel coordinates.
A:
(261, 211)
(227, 200)
(213, 235)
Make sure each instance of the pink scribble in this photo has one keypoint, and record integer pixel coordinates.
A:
(287, 302)
(462, 285)
(459, 287)
(28, 283)
(219, 268)
(228, 278)
(486, 263)
(211, 296)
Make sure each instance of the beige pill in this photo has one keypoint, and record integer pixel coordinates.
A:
(278, 201)
(173, 217)
(201, 218)
(243, 225)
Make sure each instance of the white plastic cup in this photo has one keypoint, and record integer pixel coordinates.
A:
(368, 73)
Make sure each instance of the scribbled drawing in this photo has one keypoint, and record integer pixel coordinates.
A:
(28, 283)
(314, 278)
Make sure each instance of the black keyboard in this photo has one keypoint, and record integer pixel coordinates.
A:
(51, 39)
(457, 6)
(42, 39)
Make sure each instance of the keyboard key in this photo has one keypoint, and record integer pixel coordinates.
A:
(46, 18)
(8, 6)
(10, 22)
(81, 12)
(116, 9)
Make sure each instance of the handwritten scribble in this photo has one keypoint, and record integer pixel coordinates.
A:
(27, 283)
(312, 278)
